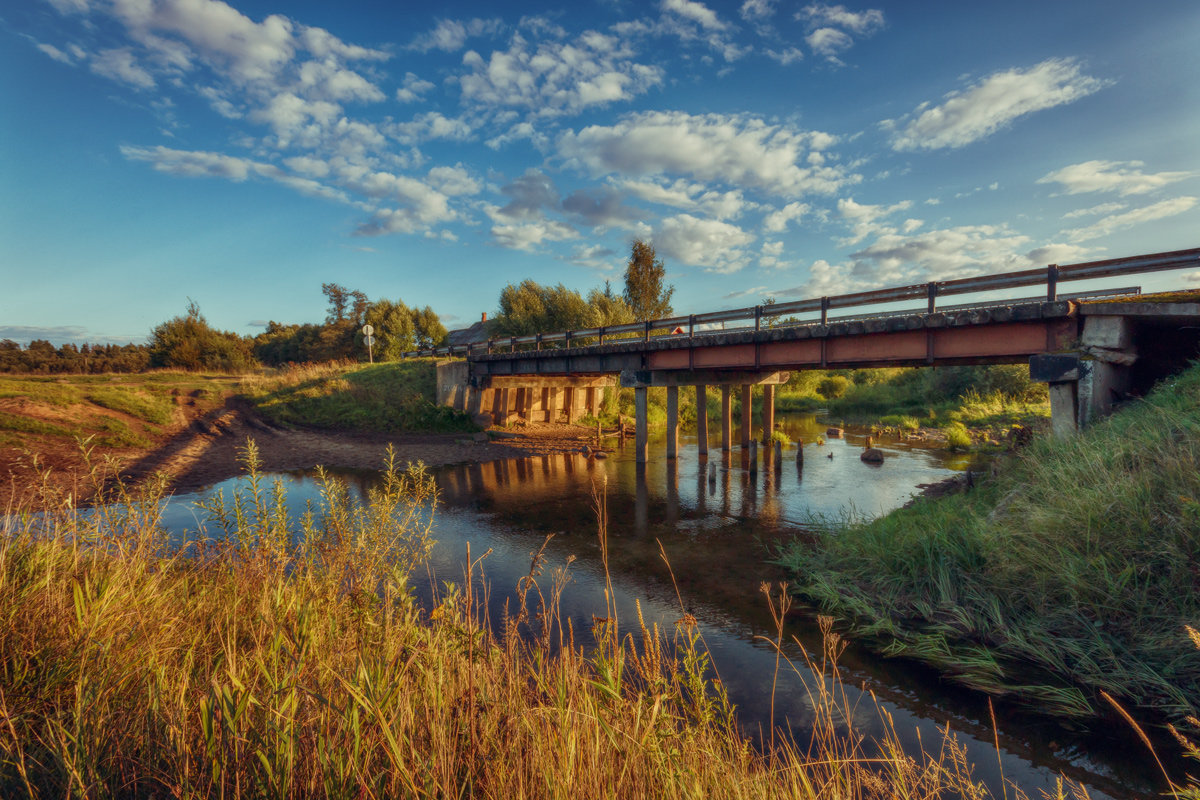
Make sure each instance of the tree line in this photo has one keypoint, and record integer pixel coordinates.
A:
(189, 342)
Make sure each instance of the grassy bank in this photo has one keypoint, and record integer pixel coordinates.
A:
(981, 398)
(289, 660)
(1074, 571)
(396, 397)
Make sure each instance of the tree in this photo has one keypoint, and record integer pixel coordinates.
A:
(644, 291)
(533, 308)
(191, 343)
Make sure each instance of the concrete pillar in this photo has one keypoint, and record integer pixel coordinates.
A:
(702, 421)
(592, 405)
(524, 402)
(500, 412)
(639, 405)
(768, 412)
(1064, 409)
(672, 422)
(570, 401)
(475, 404)
(726, 418)
(747, 414)
(551, 394)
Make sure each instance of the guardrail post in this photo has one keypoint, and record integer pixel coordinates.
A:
(568, 339)
(824, 310)
(539, 341)
(491, 343)
(647, 337)
(1051, 283)
(601, 334)
(691, 326)
(932, 292)
(757, 317)
(512, 344)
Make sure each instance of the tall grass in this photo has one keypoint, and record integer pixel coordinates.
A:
(1074, 572)
(393, 397)
(287, 658)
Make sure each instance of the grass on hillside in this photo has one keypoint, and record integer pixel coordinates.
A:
(288, 659)
(393, 397)
(1072, 572)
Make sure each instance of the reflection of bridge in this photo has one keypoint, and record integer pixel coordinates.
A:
(1093, 348)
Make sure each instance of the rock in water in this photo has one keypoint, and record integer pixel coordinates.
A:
(872, 455)
(834, 433)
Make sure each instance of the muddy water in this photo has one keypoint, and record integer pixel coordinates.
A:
(718, 528)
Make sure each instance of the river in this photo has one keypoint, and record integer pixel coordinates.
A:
(718, 528)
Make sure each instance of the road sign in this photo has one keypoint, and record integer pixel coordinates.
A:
(370, 339)
(368, 330)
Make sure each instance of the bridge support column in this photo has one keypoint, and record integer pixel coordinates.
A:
(726, 418)
(551, 396)
(639, 405)
(1085, 386)
(672, 422)
(702, 421)
(571, 403)
(747, 415)
(475, 403)
(768, 411)
(500, 406)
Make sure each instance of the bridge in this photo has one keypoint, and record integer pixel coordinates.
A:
(1093, 348)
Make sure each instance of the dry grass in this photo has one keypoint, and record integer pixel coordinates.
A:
(289, 659)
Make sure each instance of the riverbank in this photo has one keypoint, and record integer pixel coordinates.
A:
(1071, 574)
(295, 666)
(190, 428)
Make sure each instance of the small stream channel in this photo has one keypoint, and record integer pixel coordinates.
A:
(718, 533)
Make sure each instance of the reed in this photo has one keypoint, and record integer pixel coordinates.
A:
(286, 657)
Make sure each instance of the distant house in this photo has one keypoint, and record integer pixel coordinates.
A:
(472, 335)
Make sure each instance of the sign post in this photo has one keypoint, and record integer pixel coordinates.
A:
(367, 331)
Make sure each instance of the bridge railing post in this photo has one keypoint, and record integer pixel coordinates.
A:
(512, 344)
(601, 334)
(1051, 283)
(568, 339)
(691, 326)
(647, 336)
(932, 292)
(757, 318)
(539, 341)
(491, 343)
(824, 310)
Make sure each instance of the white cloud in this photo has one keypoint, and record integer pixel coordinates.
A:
(556, 77)
(1192, 277)
(454, 181)
(777, 221)
(756, 10)
(1103, 208)
(451, 35)
(698, 13)
(1057, 253)
(997, 100)
(740, 150)
(595, 256)
(943, 254)
(1138, 216)
(529, 235)
(431, 125)
(703, 242)
(412, 89)
(69, 6)
(830, 28)
(600, 207)
(120, 65)
(55, 53)
(864, 219)
(1123, 177)
(786, 56)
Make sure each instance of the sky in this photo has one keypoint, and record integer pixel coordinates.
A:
(242, 154)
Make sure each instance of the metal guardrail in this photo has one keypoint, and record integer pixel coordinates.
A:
(754, 316)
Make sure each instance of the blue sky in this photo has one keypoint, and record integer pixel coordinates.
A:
(243, 154)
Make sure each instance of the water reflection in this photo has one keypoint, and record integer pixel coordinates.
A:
(717, 523)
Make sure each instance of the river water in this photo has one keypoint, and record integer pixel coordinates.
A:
(718, 524)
